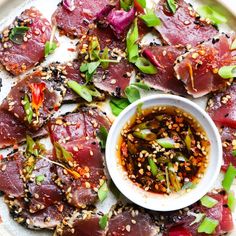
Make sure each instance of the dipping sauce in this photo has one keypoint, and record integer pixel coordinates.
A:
(164, 150)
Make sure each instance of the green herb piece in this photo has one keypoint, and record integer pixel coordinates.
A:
(167, 179)
(33, 148)
(229, 178)
(198, 217)
(49, 48)
(188, 139)
(17, 34)
(105, 55)
(131, 42)
(126, 4)
(234, 153)
(94, 49)
(102, 135)
(208, 226)
(211, 13)
(103, 192)
(28, 109)
(139, 109)
(231, 201)
(39, 179)
(172, 5)
(140, 85)
(142, 3)
(145, 134)
(166, 142)
(62, 154)
(227, 72)
(81, 90)
(153, 166)
(208, 202)
(173, 178)
(145, 66)
(132, 94)
(92, 66)
(118, 105)
(233, 45)
(150, 19)
(103, 222)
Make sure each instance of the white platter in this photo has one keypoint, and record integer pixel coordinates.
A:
(11, 8)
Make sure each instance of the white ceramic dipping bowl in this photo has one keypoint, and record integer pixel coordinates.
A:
(154, 201)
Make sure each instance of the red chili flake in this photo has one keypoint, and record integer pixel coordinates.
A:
(71, 49)
(37, 94)
(1, 156)
(56, 108)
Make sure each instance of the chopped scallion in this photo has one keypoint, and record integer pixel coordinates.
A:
(103, 222)
(229, 178)
(231, 201)
(102, 135)
(208, 201)
(39, 179)
(28, 109)
(208, 226)
(49, 48)
(103, 192)
(153, 167)
(150, 19)
(234, 153)
(17, 34)
(132, 94)
(227, 72)
(172, 5)
(166, 142)
(145, 66)
(118, 105)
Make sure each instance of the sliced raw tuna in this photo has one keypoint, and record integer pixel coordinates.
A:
(76, 23)
(13, 131)
(44, 91)
(222, 107)
(115, 78)
(42, 190)
(85, 223)
(10, 168)
(163, 57)
(198, 69)
(184, 26)
(23, 55)
(131, 222)
(47, 218)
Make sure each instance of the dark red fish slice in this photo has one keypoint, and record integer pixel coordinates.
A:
(163, 57)
(84, 224)
(115, 79)
(13, 131)
(76, 23)
(51, 96)
(44, 193)
(18, 58)
(184, 26)
(11, 183)
(131, 222)
(198, 69)
(222, 107)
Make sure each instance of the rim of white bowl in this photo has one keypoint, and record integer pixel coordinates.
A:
(160, 202)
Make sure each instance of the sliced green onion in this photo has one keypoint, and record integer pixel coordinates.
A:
(227, 72)
(103, 192)
(198, 217)
(153, 167)
(166, 142)
(62, 154)
(39, 179)
(208, 202)
(229, 178)
(118, 105)
(211, 13)
(49, 48)
(139, 109)
(81, 90)
(94, 49)
(173, 178)
(208, 226)
(145, 66)
(145, 134)
(188, 139)
(234, 153)
(103, 222)
(150, 19)
(105, 55)
(102, 135)
(28, 109)
(231, 201)
(167, 179)
(92, 66)
(142, 3)
(141, 85)
(131, 42)
(132, 94)
(233, 45)
(172, 5)
(126, 4)
(30, 145)
(17, 34)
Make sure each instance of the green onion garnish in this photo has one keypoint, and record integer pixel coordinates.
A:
(140, 85)
(153, 167)
(142, 3)
(166, 142)
(145, 66)
(229, 178)
(49, 48)
(62, 154)
(28, 108)
(150, 19)
(227, 72)
(208, 226)
(17, 34)
(234, 153)
(208, 202)
(39, 179)
(103, 222)
(118, 105)
(126, 4)
(231, 201)
(172, 5)
(102, 135)
(132, 94)
(145, 134)
(198, 217)
(103, 192)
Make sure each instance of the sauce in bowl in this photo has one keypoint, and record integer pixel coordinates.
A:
(164, 150)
